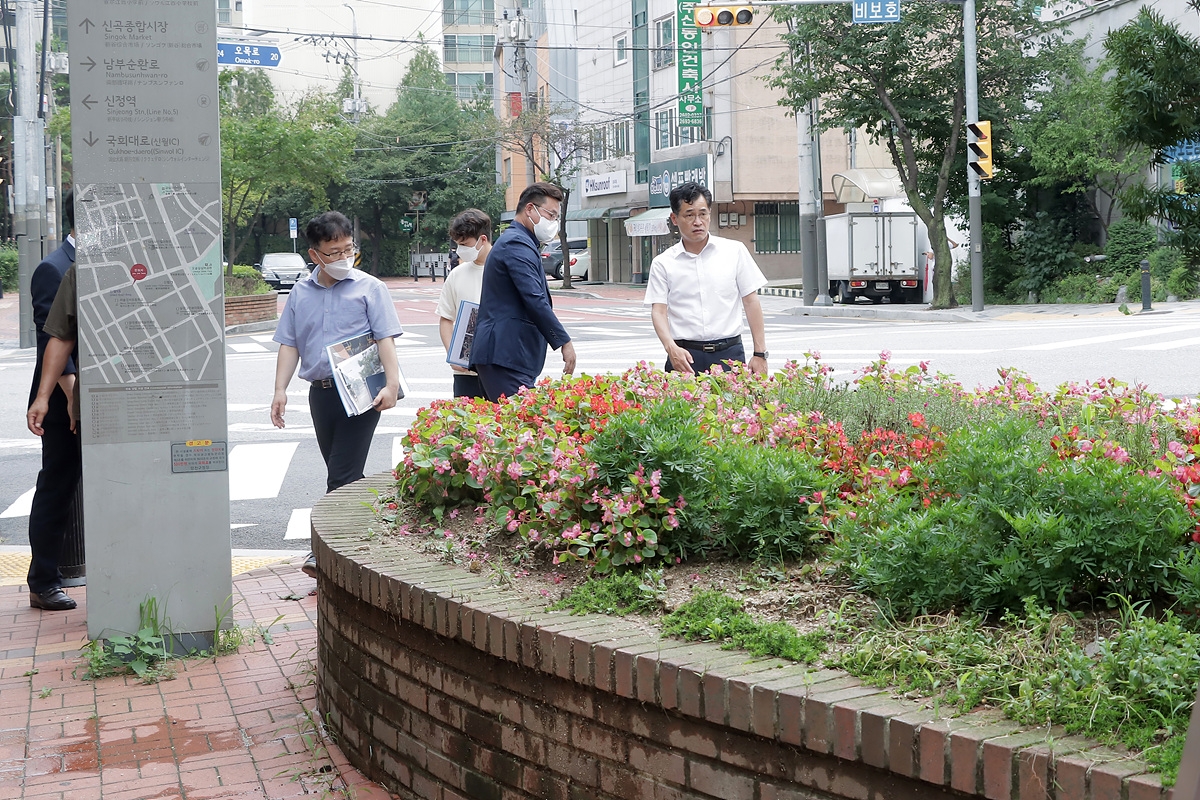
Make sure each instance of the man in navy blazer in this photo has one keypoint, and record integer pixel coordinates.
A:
(516, 319)
(61, 455)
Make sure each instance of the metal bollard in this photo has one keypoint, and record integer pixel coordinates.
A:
(1145, 285)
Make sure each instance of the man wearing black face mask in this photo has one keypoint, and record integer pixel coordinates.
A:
(516, 317)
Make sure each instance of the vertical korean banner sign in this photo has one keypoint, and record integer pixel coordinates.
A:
(691, 100)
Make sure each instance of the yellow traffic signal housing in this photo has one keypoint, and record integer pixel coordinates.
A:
(719, 16)
(979, 149)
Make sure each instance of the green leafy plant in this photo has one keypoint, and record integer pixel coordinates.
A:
(1129, 241)
(8, 268)
(617, 594)
(245, 281)
(716, 617)
(143, 653)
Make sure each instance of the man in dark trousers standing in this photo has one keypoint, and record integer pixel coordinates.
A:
(516, 318)
(61, 456)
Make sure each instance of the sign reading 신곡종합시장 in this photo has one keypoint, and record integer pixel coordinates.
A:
(691, 72)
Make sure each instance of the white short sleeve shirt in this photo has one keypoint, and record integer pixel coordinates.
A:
(703, 292)
(465, 282)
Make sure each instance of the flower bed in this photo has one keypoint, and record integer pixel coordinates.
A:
(930, 498)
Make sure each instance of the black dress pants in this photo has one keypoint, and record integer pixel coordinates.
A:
(502, 381)
(56, 482)
(344, 441)
(702, 361)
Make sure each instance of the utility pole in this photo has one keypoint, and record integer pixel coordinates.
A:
(354, 52)
(974, 203)
(29, 165)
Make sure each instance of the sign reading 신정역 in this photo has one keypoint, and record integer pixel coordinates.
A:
(691, 72)
(869, 11)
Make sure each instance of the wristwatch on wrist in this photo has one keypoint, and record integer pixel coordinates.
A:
(763, 355)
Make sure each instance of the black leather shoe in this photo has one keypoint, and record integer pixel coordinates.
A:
(51, 600)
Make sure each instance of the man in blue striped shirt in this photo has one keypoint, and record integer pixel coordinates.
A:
(336, 302)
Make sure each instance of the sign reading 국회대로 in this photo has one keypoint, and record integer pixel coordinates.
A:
(691, 72)
(869, 11)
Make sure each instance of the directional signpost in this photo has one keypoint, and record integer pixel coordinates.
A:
(241, 54)
(151, 314)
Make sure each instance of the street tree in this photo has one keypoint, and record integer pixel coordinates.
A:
(1156, 103)
(555, 141)
(1073, 141)
(903, 83)
(419, 154)
(267, 149)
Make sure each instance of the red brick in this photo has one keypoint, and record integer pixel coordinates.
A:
(662, 764)
(1033, 773)
(1001, 763)
(719, 781)
(1070, 776)
(624, 783)
(966, 753)
(623, 662)
(818, 710)
(1145, 787)
(874, 733)
(933, 749)
(846, 736)
(1108, 778)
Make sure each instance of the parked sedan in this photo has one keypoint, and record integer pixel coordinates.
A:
(283, 270)
(552, 257)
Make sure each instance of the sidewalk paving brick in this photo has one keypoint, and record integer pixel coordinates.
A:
(238, 726)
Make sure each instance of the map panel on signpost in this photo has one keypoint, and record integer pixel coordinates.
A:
(146, 146)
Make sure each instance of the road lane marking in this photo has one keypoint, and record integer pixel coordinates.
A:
(1172, 345)
(21, 506)
(256, 471)
(1112, 337)
(299, 524)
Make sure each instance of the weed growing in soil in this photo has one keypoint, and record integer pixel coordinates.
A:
(715, 617)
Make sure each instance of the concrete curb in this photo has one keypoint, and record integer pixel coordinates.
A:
(251, 327)
(917, 313)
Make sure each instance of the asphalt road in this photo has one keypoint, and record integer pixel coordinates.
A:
(276, 475)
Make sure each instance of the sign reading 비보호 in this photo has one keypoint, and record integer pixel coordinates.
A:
(150, 285)
(691, 71)
(870, 11)
(607, 183)
(241, 54)
(665, 175)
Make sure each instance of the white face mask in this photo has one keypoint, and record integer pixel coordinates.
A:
(466, 255)
(339, 270)
(545, 229)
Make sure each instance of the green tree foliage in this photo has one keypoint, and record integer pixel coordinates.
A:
(1156, 103)
(1129, 241)
(1073, 141)
(903, 82)
(266, 149)
(421, 149)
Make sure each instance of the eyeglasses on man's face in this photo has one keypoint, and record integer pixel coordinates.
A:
(338, 255)
(547, 213)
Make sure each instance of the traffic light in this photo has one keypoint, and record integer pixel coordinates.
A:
(715, 16)
(979, 149)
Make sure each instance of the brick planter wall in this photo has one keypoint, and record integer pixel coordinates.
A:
(251, 308)
(440, 685)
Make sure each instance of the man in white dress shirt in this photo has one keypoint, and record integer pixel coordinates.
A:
(698, 289)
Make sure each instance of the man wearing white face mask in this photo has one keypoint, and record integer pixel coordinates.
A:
(516, 317)
(336, 302)
(471, 232)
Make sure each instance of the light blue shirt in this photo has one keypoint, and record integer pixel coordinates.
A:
(316, 316)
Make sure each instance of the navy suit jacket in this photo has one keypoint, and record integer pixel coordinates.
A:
(43, 285)
(516, 319)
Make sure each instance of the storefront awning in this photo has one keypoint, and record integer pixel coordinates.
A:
(651, 223)
(863, 185)
(579, 214)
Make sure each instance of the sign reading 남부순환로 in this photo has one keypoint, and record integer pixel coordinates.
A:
(607, 183)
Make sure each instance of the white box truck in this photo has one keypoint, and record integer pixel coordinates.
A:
(876, 254)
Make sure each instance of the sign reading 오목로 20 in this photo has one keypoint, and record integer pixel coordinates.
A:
(691, 72)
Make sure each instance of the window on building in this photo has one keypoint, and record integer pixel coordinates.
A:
(468, 85)
(664, 42)
(777, 227)
(224, 12)
(468, 12)
(667, 131)
(621, 49)
(506, 172)
(459, 49)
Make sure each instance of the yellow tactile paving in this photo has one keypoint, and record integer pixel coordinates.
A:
(15, 566)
